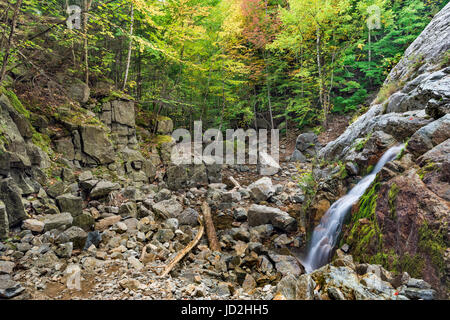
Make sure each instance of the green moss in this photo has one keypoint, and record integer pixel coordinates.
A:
(361, 143)
(365, 235)
(429, 167)
(392, 199)
(432, 243)
(42, 141)
(160, 139)
(15, 102)
(413, 264)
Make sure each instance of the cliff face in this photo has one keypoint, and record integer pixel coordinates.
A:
(406, 212)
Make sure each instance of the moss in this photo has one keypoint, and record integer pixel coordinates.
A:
(369, 169)
(16, 102)
(42, 141)
(160, 139)
(429, 167)
(387, 90)
(413, 264)
(361, 143)
(431, 242)
(392, 199)
(365, 234)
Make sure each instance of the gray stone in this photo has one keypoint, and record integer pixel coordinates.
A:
(70, 203)
(297, 156)
(6, 267)
(57, 220)
(11, 196)
(96, 145)
(103, 188)
(262, 189)
(64, 250)
(4, 224)
(259, 215)
(9, 288)
(168, 208)
(74, 234)
(189, 217)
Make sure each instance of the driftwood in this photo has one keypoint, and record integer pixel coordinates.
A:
(210, 230)
(185, 251)
(236, 184)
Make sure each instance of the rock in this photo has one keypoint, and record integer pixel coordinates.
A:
(58, 220)
(4, 224)
(259, 215)
(33, 225)
(189, 217)
(262, 189)
(164, 235)
(47, 260)
(335, 294)
(418, 294)
(306, 141)
(123, 112)
(305, 288)
(168, 208)
(103, 188)
(240, 214)
(429, 136)
(76, 235)
(105, 223)
(165, 125)
(55, 189)
(11, 196)
(78, 91)
(418, 283)
(135, 263)
(249, 284)
(6, 267)
(352, 168)
(286, 265)
(268, 165)
(96, 145)
(64, 250)
(93, 239)
(128, 209)
(9, 288)
(297, 156)
(70, 203)
(85, 176)
(85, 221)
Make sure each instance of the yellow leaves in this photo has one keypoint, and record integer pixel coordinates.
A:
(360, 46)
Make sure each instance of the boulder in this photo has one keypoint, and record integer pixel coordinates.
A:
(168, 208)
(103, 188)
(74, 234)
(4, 224)
(262, 189)
(70, 203)
(96, 145)
(259, 215)
(56, 221)
(11, 195)
(429, 136)
(123, 112)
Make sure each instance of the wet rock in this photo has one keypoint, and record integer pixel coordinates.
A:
(259, 215)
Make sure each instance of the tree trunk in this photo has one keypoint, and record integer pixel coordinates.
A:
(87, 6)
(210, 229)
(10, 40)
(129, 49)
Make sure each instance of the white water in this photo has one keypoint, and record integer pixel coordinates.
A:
(327, 232)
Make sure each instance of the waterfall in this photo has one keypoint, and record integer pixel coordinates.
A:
(325, 235)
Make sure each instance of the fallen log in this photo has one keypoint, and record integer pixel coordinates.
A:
(210, 229)
(185, 251)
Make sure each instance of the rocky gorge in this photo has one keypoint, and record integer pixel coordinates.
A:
(91, 188)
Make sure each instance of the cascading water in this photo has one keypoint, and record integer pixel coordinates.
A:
(327, 232)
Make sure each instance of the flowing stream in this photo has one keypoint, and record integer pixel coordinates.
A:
(325, 235)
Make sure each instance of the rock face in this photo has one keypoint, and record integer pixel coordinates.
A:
(404, 214)
(96, 145)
